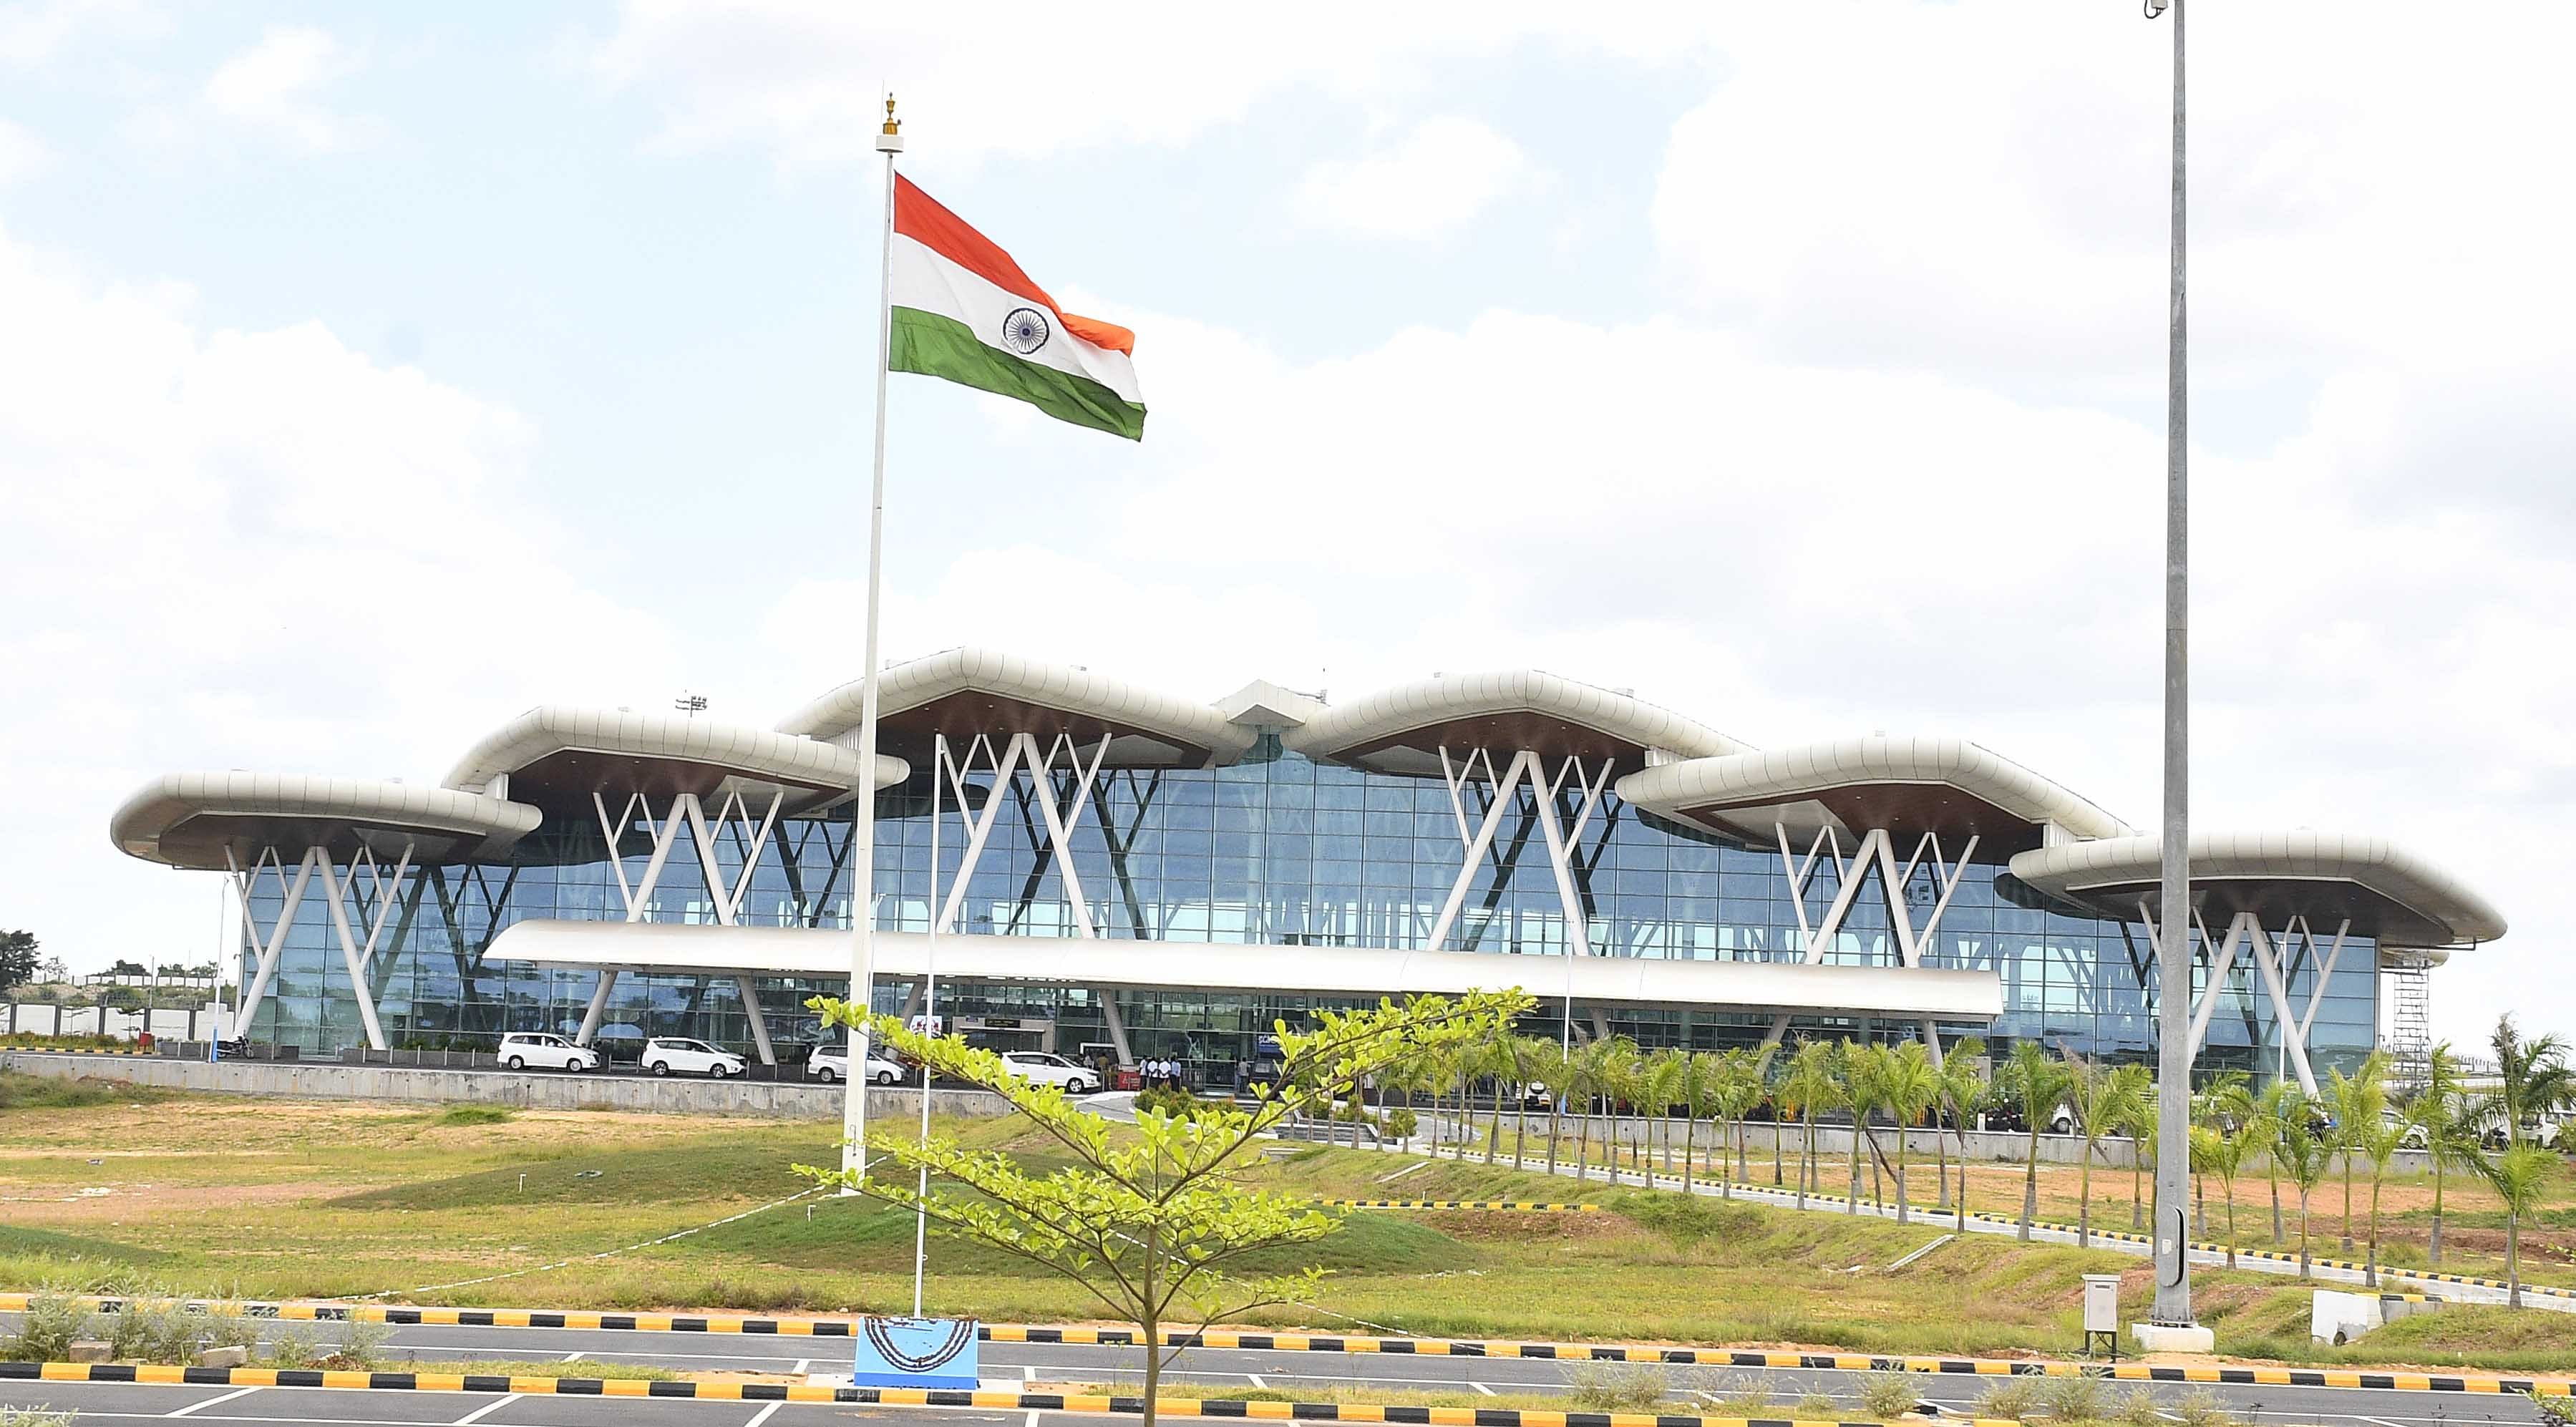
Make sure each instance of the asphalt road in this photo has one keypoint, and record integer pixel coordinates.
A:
(1014, 1364)
(324, 1407)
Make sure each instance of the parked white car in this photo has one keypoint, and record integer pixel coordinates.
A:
(520, 1050)
(1040, 1068)
(832, 1062)
(678, 1055)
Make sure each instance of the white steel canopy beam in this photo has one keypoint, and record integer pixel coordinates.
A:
(270, 946)
(1021, 753)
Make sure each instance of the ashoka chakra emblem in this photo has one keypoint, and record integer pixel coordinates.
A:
(1025, 330)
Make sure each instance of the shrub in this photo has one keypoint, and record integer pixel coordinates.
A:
(1615, 1387)
(1738, 1395)
(2555, 1410)
(1169, 1100)
(2201, 1409)
(291, 1347)
(2075, 1399)
(476, 1115)
(1816, 1407)
(1400, 1123)
(34, 1417)
(2014, 1397)
(2138, 1408)
(1887, 1395)
(361, 1348)
(46, 1330)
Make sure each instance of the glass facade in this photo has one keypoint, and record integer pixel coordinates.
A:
(1274, 849)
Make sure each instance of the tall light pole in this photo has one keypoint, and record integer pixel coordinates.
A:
(2174, 916)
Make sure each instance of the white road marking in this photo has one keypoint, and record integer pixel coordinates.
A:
(763, 1414)
(496, 1405)
(1256, 1380)
(1033, 1419)
(1480, 1387)
(1029, 1373)
(799, 1369)
(211, 1401)
(572, 1357)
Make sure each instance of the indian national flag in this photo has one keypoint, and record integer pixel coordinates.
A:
(964, 311)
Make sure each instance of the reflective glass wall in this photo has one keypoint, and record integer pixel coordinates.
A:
(1276, 849)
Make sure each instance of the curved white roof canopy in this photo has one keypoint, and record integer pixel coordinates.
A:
(1945, 786)
(556, 757)
(2391, 895)
(1401, 730)
(193, 819)
(1322, 970)
(969, 692)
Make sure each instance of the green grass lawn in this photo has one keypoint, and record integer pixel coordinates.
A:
(208, 1195)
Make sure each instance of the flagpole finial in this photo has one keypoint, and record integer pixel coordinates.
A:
(890, 137)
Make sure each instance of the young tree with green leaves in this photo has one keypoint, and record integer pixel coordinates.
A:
(2379, 1142)
(2520, 1176)
(2439, 1112)
(2103, 1099)
(1740, 1088)
(1811, 1083)
(2359, 1103)
(1554, 1069)
(1910, 1089)
(1862, 1077)
(2304, 1149)
(1149, 1223)
(2223, 1104)
(2269, 1116)
(20, 961)
(1589, 1076)
(1698, 1092)
(2034, 1083)
(1659, 1088)
(2533, 1082)
(2140, 1127)
(1964, 1088)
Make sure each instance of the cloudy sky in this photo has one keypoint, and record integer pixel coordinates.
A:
(368, 376)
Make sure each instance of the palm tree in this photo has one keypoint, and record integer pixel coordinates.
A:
(1529, 1057)
(2518, 1176)
(1586, 1077)
(2533, 1081)
(2035, 1083)
(2140, 1127)
(1621, 1067)
(2304, 1151)
(1809, 1085)
(2227, 1160)
(1698, 1092)
(2270, 1114)
(2103, 1099)
(1909, 1087)
(2224, 1103)
(1739, 1088)
(1964, 1088)
(1549, 1065)
(2379, 1141)
(2360, 1102)
(1659, 1087)
(2439, 1109)
(1861, 1082)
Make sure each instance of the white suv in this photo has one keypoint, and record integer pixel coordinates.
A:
(666, 1054)
(832, 1062)
(1040, 1068)
(524, 1049)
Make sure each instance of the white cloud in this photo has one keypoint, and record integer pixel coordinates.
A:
(22, 154)
(35, 31)
(804, 79)
(250, 549)
(275, 87)
(1424, 186)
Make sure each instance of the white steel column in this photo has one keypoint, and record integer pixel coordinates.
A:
(332, 893)
(759, 1025)
(598, 1005)
(1117, 1024)
(1483, 838)
(2325, 970)
(2245, 930)
(1021, 752)
(275, 941)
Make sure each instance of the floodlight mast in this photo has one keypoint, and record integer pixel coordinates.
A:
(2174, 916)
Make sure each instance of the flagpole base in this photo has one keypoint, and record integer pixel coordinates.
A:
(2173, 1338)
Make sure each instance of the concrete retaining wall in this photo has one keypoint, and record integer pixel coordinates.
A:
(324, 1080)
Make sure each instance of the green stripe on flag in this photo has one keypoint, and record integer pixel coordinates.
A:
(937, 346)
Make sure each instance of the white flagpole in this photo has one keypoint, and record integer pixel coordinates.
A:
(930, 1011)
(863, 805)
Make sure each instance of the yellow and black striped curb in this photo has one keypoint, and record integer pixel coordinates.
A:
(66, 1050)
(1528, 1206)
(584, 1320)
(884, 1397)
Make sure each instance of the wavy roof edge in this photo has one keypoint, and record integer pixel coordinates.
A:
(144, 819)
(2373, 863)
(1403, 708)
(1794, 772)
(1060, 687)
(754, 752)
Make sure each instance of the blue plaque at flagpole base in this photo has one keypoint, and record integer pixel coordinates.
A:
(917, 1352)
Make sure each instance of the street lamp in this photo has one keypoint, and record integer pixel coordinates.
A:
(2171, 1319)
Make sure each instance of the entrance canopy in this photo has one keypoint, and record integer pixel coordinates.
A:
(2389, 894)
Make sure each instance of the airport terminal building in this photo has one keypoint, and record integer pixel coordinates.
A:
(1125, 872)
